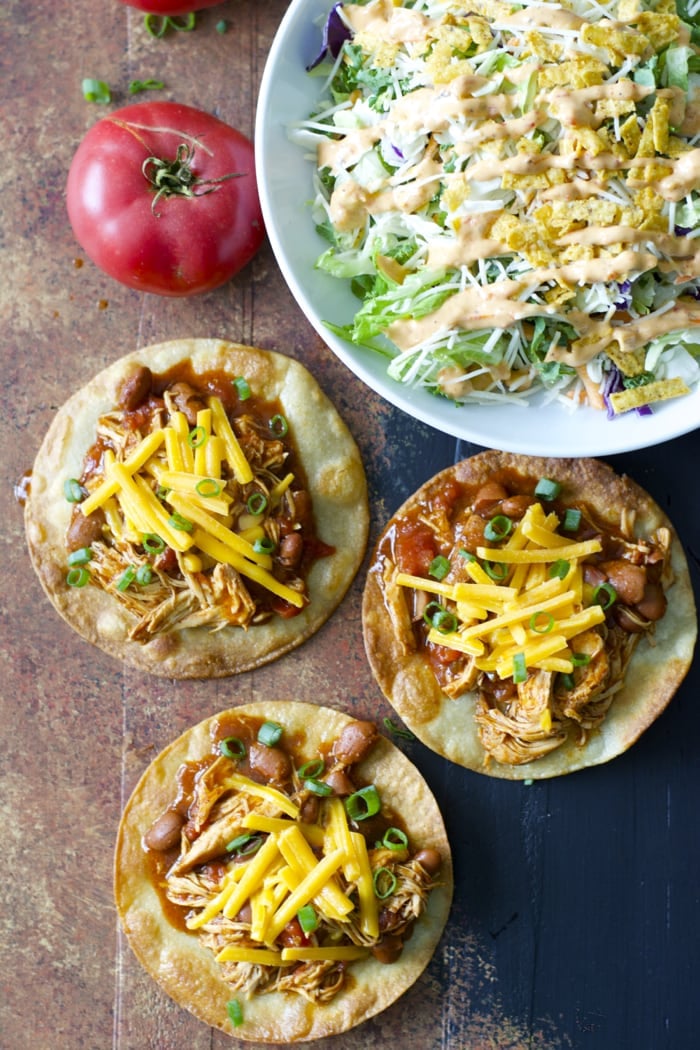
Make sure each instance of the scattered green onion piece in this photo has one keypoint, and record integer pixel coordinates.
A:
(605, 595)
(541, 622)
(126, 578)
(157, 25)
(498, 528)
(363, 803)
(144, 575)
(317, 787)
(437, 616)
(73, 490)
(197, 437)
(264, 545)
(270, 733)
(77, 577)
(519, 668)
(145, 85)
(257, 502)
(162, 492)
(240, 840)
(396, 730)
(312, 769)
(580, 659)
(208, 488)
(235, 1012)
(221, 26)
(243, 387)
(384, 882)
(232, 747)
(308, 919)
(559, 568)
(244, 845)
(439, 567)
(467, 555)
(497, 570)
(394, 838)
(547, 489)
(572, 519)
(178, 522)
(279, 425)
(152, 543)
(80, 557)
(96, 91)
(567, 681)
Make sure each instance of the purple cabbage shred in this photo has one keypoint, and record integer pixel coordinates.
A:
(335, 33)
(612, 383)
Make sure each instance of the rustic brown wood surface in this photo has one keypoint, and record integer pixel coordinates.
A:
(575, 921)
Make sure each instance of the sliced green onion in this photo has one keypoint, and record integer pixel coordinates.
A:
(436, 615)
(162, 492)
(396, 730)
(394, 838)
(144, 575)
(547, 489)
(178, 522)
(197, 437)
(257, 502)
(126, 578)
(317, 787)
(605, 595)
(308, 919)
(221, 26)
(363, 803)
(519, 668)
(541, 622)
(467, 555)
(559, 568)
(244, 845)
(279, 425)
(580, 659)
(498, 528)
(80, 557)
(312, 769)
(384, 882)
(270, 733)
(243, 387)
(208, 487)
(264, 545)
(152, 543)
(572, 519)
(232, 747)
(439, 567)
(96, 91)
(497, 570)
(157, 25)
(77, 577)
(73, 490)
(144, 85)
(235, 1012)
(567, 680)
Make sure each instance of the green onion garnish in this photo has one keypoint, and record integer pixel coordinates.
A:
(363, 803)
(264, 545)
(317, 787)
(235, 1012)
(126, 578)
(497, 570)
(567, 680)
(279, 425)
(308, 919)
(572, 519)
(580, 659)
(96, 91)
(144, 85)
(498, 528)
(73, 490)
(152, 543)
(541, 622)
(395, 839)
(80, 557)
(439, 567)
(437, 616)
(396, 730)
(312, 769)
(269, 733)
(197, 437)
(243, 387)
(519, 668)
(157, 25)
(257, 502)
(467, 555)
(559, 568)
(245, 844)
(232, 747)
(221, 26)
(384, 882)
(547, 489)
(605, 595)
(178, 522)
(77, 577)
(208, 487)
(144, 575)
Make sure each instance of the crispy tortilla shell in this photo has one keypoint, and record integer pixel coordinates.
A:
(334, 473)
(655, 672)
(187, 970)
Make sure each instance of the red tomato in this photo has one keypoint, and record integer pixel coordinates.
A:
(179, 243)
(171, 7)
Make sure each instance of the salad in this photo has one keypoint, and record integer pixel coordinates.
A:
(513, 191)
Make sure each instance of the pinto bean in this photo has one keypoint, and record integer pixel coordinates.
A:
(83, 531)
(135, 388)
(389, 949)
(653, 604)
(628, 580)
(271, 763)
(471, 534)
(515, 506)
(355, 742)
(310, 809)
(291, 550)
(187, 401)
(488, 498)
(429, 859)
(164, 832)
(340, 782)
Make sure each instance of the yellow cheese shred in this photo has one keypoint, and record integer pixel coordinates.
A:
(133, 462)
(240, 466)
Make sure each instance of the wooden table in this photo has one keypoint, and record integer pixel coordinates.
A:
(575, 922)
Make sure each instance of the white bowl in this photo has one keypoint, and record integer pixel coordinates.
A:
(287, 95)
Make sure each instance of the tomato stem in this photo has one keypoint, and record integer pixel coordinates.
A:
(175, 178)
